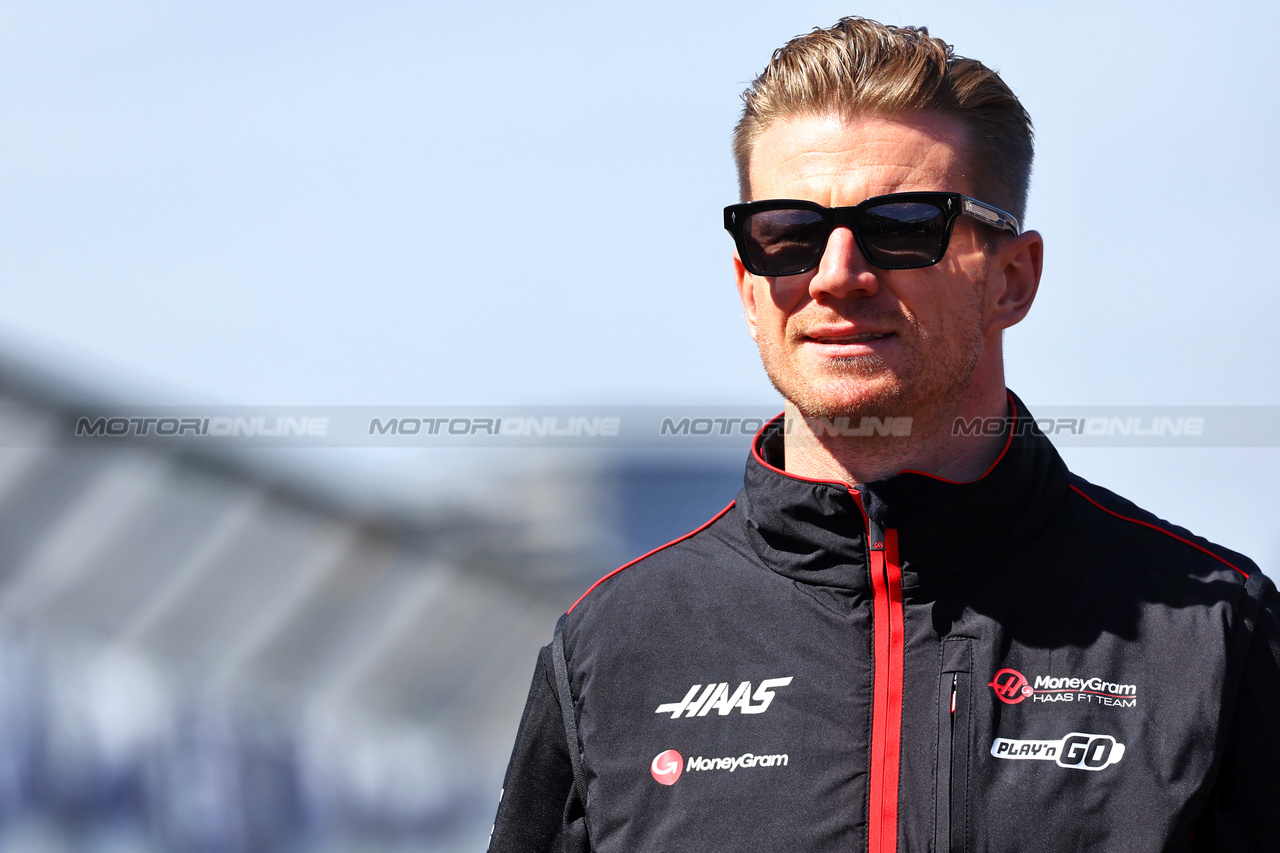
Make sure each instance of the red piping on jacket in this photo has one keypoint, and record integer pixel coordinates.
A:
(755, 451)
(1077, 490)
(886, 710)
(1008, 442)
(887, 661)
(712, 521)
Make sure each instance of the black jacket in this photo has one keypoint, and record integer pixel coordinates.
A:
(1022, 662)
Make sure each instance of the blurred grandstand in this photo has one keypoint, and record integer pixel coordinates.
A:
(203, 652)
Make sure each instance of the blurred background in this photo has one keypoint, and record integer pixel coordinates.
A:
(302, 648)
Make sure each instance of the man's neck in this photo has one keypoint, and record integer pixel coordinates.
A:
(860, 450)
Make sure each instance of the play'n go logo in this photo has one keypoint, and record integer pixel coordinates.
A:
(1010, 686)
(666, 767)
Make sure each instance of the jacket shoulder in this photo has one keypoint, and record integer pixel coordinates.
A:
(1125, 522)
(652, 571)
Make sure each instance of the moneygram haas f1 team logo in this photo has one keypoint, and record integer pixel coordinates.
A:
(1010, 686)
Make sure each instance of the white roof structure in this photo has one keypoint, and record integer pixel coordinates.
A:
(195, 657)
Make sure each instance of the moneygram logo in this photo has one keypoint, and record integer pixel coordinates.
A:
(1012, 687)
(666, 767)
(1076, 751)
(732, 763)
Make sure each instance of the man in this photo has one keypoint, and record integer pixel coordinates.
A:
(935, 638)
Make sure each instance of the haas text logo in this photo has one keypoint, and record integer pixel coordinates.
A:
(700, 700)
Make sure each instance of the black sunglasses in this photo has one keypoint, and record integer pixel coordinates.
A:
(902, 231)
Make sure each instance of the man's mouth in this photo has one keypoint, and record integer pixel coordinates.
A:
(863, 338)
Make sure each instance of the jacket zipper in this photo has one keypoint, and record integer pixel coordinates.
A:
(950, 832)
(887, 662)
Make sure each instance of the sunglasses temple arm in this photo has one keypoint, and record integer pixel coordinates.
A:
(993, 216)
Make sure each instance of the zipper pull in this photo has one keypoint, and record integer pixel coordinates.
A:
(954, 679)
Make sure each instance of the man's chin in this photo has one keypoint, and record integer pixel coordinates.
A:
(848, 399)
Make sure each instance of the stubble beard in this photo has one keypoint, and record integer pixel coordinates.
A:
(931, 380)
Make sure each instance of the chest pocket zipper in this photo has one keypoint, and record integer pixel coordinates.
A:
(950, 833)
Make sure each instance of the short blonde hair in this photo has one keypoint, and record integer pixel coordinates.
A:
(862, 67)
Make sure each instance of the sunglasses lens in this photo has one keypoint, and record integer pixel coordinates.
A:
(902, 234)
(784, 242)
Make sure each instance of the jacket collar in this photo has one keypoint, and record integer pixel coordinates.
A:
(815, 531)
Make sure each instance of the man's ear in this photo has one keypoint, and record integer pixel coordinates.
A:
(1014, 278)
(747, 292)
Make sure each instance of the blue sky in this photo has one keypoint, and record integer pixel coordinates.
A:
(501, 203)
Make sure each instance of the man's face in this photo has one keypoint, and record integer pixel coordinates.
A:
(848, 338)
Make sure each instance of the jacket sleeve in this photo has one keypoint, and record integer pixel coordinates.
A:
(536, 790)
(1243, 813)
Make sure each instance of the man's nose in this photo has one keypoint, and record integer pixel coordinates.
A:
(843, 270)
